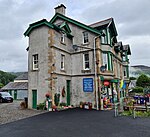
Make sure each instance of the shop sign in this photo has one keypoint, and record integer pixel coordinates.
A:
(106, 83)
(88, 84)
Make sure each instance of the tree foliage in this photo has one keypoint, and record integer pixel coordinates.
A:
(132, 78)
(5, 78)
(143, 81)
(137, 90)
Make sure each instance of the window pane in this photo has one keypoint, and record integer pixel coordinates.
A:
(105, 60)
(86, 57)
(85, 37)
(62, 61)
(35, 62)
(86, 61)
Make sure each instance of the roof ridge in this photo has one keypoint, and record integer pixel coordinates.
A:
(60, 15)
(101, 21)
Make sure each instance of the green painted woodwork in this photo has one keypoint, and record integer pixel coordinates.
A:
(58, 15)
(108, 57)
(10, 92)
(102, 78)
(68, 92)
(127, 69)
(15, 94)
(34, 99)
(66, 27)
(37, 24)
(114, 80)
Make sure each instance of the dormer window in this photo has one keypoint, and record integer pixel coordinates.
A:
(85, 37)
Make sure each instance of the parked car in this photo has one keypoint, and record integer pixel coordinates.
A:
(5, 97)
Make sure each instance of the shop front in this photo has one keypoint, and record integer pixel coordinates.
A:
(109, 94)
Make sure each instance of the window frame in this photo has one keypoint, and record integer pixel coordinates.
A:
(62, 38)
(85, 61)
(35, 62)
(103, 37)
(85, 37)
(105, 60)
(62, 62)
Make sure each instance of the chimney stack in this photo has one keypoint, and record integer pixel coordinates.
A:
(60, 9)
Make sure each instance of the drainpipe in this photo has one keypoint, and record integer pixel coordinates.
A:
(95, 71)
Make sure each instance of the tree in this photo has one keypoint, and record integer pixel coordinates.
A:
(1, 85)
(143, 81)
(132, 78)
(6, 77)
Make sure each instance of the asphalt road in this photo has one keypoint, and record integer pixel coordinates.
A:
(77, 123)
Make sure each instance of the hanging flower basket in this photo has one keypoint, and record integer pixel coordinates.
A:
(47, 95)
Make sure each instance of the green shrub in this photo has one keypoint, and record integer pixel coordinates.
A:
(63, 104)
(138, 90)
(41, 106)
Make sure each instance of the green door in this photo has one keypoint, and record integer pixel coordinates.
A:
(15, 94)
(68, 92)
(34, 99)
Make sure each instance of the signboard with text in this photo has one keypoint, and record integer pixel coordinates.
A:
(88, 84)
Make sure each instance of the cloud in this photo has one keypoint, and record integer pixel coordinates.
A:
(133, 15)
(140, 47)
(131, 19)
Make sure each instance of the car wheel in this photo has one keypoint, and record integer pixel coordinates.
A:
(1, 100)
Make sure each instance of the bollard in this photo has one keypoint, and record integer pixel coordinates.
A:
(116, 110)
(134, 114)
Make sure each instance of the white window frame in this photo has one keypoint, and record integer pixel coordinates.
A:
(62, 63)
(104, 37)
(123, 58)
(35, 62)
(105, 60)
(85, 37)
(86, 61)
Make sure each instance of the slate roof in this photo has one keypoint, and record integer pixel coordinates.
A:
(16, 86)
(127, 48)
(23, 76)
(101, 23)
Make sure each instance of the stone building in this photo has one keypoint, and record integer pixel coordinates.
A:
(81, 63)
(19, 88)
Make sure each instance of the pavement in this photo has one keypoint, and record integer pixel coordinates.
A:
(77, 123)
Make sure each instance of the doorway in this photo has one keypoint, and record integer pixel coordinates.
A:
(34, 99)
(68, 92)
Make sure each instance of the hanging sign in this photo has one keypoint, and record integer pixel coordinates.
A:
(106, 83)
(88, 84)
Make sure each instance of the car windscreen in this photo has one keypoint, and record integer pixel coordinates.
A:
(5, 94)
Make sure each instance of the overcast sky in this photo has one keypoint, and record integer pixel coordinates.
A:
(132, 19)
